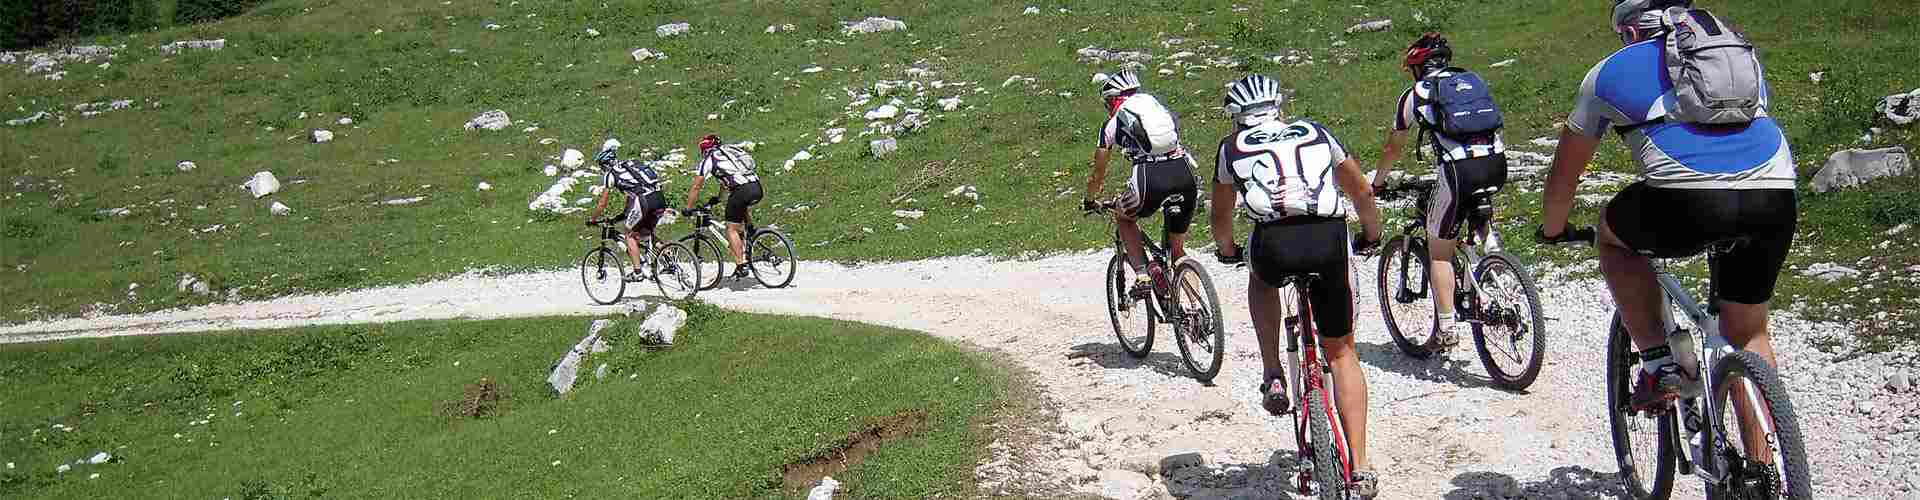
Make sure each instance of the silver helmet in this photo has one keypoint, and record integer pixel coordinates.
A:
(1254, 99)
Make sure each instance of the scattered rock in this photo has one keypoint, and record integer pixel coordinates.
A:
(29, 119)
(1854, 167)
(803, 155)
(1901, 109)
(344, 121)
(660, 327)
(1370, 26)
(1031, 10)
(550, 170)
(1898, 381)
(592, 32)
(189, 283)
(777, 28)
(813, 69)
(404, 201)
(1817, 77)
(600, 372)
(63, 468)
(883, 147)
(948, 103)
(491, 120)
(186, 166)
(675, 29)
(824, 491)
(873, 25)
(320, 136)
(99, 458)
(177, 47)
(114, 212)
(884, 112)
(278, 208)
(1503, 64)
(567, 370)
(909, 214)
(484, 187)
(1125, 485)
(262, 184)
(643, 55)
(572, 158)
(493, 27)
(1830, 272)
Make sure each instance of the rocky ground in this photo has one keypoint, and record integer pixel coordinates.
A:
(1118, 427)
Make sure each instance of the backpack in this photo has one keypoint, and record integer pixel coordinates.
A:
(633, 176)
(1715, 74)
(1463, 109)
(1152, 128)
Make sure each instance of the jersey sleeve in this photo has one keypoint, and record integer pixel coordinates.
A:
(1109, 132)
(705, 167)
(1590, 117)
(1339, 152)
(1403, 112)
(1221, 173)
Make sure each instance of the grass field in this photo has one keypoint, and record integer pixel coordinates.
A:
(410, 73)
(364, 411)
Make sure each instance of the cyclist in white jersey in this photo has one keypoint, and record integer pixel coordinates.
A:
(1289, 176)
(645, 203)
(735, 169)
(1147, 133)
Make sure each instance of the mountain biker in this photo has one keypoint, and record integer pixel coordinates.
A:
(1467, 170)
(1732, 181)
(1289, 177)
(645, 202)
(1147, 132)
(734, 168)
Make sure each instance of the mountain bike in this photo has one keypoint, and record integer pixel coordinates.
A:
(769, 252)
(603, 270)
(1702, 435)
(1324, 457)
(1500, 300)
(1193, 312)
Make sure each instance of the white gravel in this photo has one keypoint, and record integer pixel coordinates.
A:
(1438, 429)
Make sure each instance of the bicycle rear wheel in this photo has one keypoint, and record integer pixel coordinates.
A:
(677, 271)
(1745, 386)
(1405, 302)
(773, 263)
(1200, 315)
(713, 257)
(603, 273)
(1132, 323)
(1643, 444)
(1511, 337)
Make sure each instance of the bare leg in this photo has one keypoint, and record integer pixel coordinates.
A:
(1440, 272)
(735, 244)
(1636, 291)
(1264, 302)
(1176, 246)
(1350, 391)
(1746, 326)
(1130, 236)
(633, 249)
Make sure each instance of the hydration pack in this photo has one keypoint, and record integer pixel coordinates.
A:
(634, 176)
(1716, 76)
(1151, 128)
(1462, 104)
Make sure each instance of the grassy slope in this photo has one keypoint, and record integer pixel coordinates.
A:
(349, 412)
(409, 95)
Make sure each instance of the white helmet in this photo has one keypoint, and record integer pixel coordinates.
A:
(1254, 99)
(1120, 82)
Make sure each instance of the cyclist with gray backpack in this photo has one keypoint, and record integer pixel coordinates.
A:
(1148, 133)
(1454, 111)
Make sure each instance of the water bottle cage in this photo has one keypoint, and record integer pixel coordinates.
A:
(1655, 352)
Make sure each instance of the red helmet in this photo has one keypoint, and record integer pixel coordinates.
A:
(708, 143)
(1430, 49)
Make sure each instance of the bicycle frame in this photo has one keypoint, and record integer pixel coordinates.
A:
(1695, 432)
(1313, 373)
(1469, 245)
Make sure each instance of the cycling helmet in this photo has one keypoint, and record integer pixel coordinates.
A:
(1431, 51)
(708, 143)
(1254, 99)
(1637, 20)
(1119, 83)
(605, 156)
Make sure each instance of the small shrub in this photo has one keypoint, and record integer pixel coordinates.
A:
(483, 399)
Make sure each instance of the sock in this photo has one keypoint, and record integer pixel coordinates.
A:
(1654, 359)
(1443, 319)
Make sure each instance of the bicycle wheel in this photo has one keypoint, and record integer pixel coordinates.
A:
(1329, 469)
(1746, 384)
(1201, 327)
(1512, 337)
(603, 272)
(712, 255)
(1643, 444)
(773, 263)
(1132, 322)
(1405, 303)
(677, 271)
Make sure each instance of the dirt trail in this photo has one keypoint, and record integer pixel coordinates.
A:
(1142, 428)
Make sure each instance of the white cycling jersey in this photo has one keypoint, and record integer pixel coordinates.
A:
(1283, 169)
(731, 165)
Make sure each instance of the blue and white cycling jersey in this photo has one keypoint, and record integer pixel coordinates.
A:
(1631, 90)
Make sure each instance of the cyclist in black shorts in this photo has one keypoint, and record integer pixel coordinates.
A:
(1468, 170)
(645, 203)
(735, 169)
(1162, 179)
(1289, 176)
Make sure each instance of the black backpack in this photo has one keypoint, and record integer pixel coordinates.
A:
(634, 176)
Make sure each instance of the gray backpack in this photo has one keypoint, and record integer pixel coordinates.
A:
(1716, 76)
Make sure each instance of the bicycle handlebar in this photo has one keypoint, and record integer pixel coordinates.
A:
(1404, 190)
(1581, 235)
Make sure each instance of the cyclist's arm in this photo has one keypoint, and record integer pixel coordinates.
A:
(1570, 160)
(1396, 144)
(601, 207)
(1099, 176)
(1354, 183)
(1225, 197)
(693, 191)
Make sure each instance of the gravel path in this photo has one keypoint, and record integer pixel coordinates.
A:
(1140, 429)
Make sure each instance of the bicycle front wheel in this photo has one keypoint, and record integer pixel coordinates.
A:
(1132, 322)
(1511, 337)
(713, 257)
(603, 272)
(1329, 467)
(773, 263)
(1405, 303)
(1643, 443)
(677, 271)
(1200, 323)
(1772, 463)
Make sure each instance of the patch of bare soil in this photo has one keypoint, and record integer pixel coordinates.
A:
(851, 450)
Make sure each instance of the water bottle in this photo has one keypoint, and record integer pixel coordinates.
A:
(1680, 341)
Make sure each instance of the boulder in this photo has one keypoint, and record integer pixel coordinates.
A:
(1854, 167)
(873, 25)
(884, 112)
(320, 136)
(484, 187)
(1031, 10)
(278, 208)
(824, 491)
(567, 370)
(490, 120)
(1901, 109)
(1125, 485)
(949, 103)
(643, 55)
(592, 32)
(344, 121)
(1830, 272)
(572, 158)
(262, 184)
(909, 214)
(1369, 26)
(29, 119)
(883, 147)
(675, 29)
(661, 326)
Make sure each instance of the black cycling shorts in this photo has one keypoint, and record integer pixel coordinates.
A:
(1166, 186)
(643, 212)
(1667, 223)
(1308, 244)
(742, 196)
(1459, 189)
